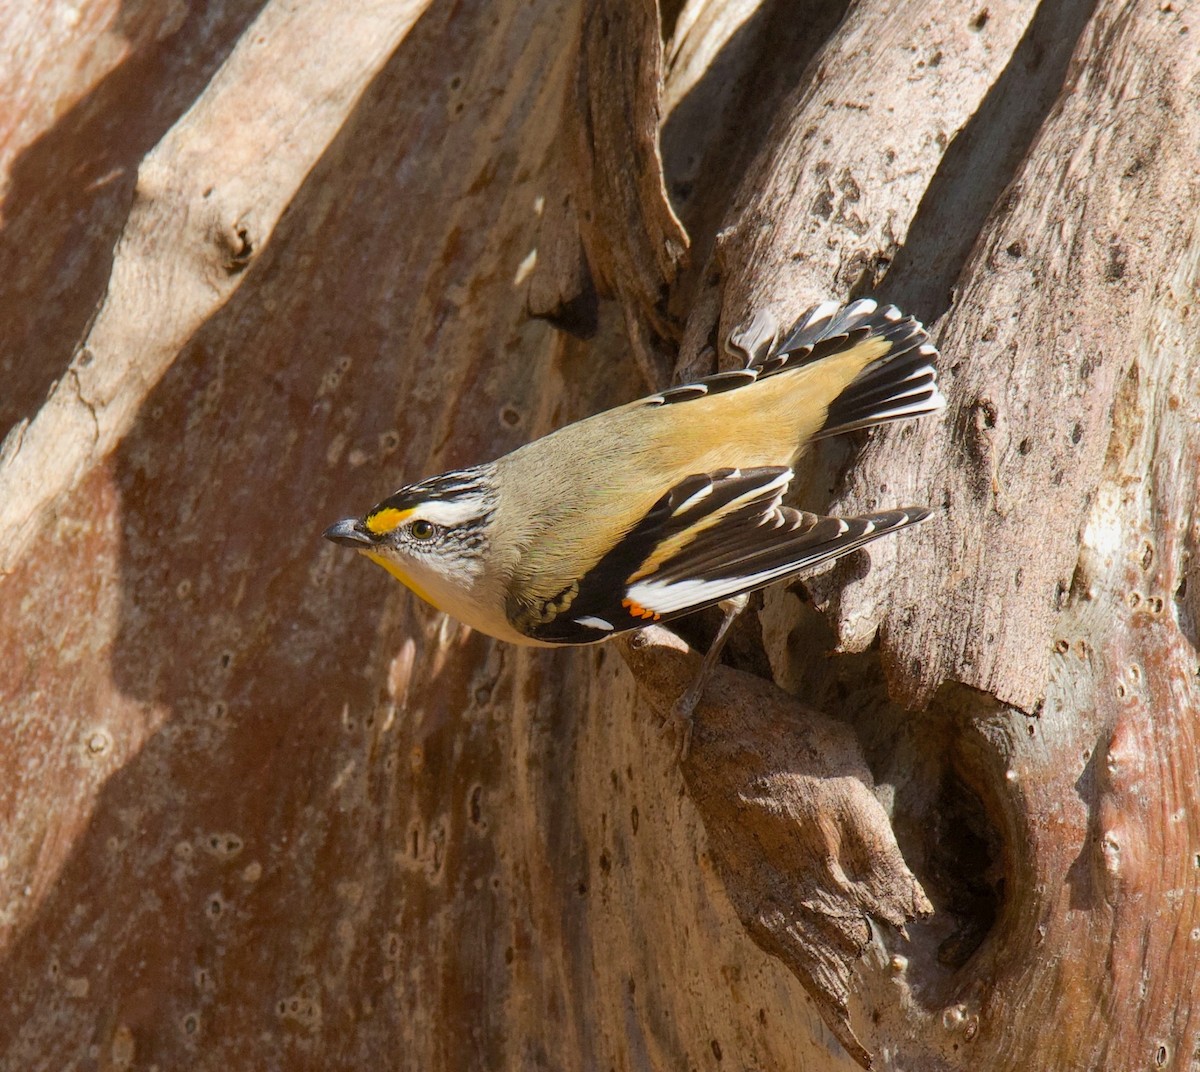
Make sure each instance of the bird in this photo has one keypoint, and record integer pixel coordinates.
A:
(665, 505)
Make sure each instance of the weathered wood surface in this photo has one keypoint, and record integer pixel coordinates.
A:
(206, 200)
(258, 808)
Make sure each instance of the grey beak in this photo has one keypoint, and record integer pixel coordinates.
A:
(349, 532)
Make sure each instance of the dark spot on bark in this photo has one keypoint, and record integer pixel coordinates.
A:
(605, 862)
(1114, 270)
(716, 1049)
(475, 808)
(1025, 446)
(1076, 433)
(980, 20)
(1015, 250)
(238, 251)
(823, 204)
(633, 818)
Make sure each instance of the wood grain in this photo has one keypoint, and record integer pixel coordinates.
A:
(260, 808)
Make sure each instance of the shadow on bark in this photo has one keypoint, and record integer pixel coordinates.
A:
(255, 874)
(981, 162)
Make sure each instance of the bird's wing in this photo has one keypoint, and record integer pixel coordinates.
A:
(711, 537)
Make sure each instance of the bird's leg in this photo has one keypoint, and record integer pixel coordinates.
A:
(680, 721)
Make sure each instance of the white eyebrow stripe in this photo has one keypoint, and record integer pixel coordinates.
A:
(452, 511)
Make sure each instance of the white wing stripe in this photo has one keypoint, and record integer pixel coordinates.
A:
(691, 500)
(666, 597)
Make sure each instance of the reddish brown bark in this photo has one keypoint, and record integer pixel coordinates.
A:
(259, 808)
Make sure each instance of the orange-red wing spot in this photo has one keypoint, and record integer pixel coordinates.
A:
(638, 611)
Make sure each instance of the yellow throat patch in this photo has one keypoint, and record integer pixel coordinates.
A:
(395, 570)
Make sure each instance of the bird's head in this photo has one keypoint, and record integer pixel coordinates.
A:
(431, 536)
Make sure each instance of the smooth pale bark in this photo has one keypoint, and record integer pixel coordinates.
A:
(207, 198)
(260, 808)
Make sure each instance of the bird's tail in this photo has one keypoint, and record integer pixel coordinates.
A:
(898, 383)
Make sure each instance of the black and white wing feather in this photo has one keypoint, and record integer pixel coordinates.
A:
(900, 383)
(711, 537)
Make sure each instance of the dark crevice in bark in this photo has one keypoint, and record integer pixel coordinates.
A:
(963, 850)
(979, 165)
(946, 822)
(1185, 610)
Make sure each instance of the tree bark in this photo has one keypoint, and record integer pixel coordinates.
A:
(264, 263)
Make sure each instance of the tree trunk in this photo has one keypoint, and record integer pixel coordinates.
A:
(260, 808)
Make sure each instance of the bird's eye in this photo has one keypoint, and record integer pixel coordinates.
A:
(422, 529)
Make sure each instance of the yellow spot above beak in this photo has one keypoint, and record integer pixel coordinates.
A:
(386, 520)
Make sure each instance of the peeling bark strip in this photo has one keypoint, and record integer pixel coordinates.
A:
(207, 199)
(633, 240)
(1058, 291)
